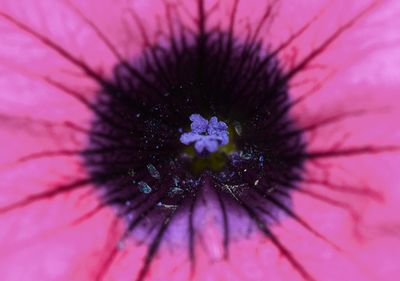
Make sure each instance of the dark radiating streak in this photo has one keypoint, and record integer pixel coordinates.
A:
(154, 246)
(177, 50)
(242, 69)
(267, 213)
(276, 51)
(228, 47)
(201, 40)
(57, 190)
(212, 9)
(47, 194)
(351, 151)
(267, 232)
(57, 48)
(71, 152)
(336, 118)
(148, 46)
(76, 127)
(171, 29)
(317, 86)
(275, 87)
(297, 218)
(30, 124)
(311, 127)
(201, 21)
(261, 22)
(111, 257)
(339, 204)
(116, 163)
(229, 42)
(327, 42)
(86, 131)
(137, 205)
(116, 197)
(72, 93)
(359, 191)
(232, 20)
(98, 32)
(88, 215)
(143, 213)
(85, 102)
(192, 233)
(49, 154)
(105, 266)
(225, 224)
(250, 42)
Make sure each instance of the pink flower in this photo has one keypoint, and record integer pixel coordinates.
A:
(340, 222)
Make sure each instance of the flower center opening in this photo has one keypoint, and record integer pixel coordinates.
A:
(208, 144)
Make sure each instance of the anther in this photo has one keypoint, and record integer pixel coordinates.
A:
(206, 135)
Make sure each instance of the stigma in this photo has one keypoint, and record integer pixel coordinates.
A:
(207, 135)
